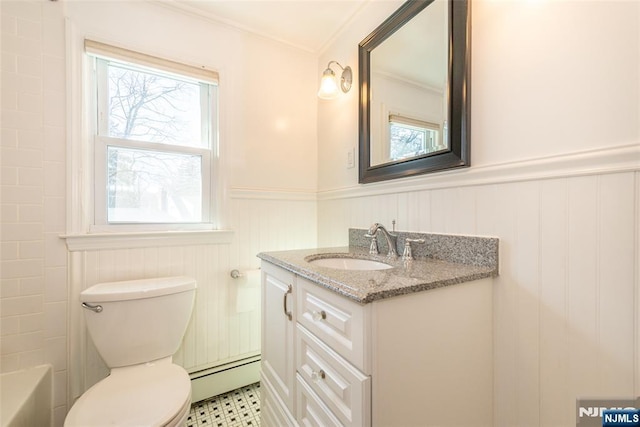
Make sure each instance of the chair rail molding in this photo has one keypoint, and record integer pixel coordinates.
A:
(623, 158)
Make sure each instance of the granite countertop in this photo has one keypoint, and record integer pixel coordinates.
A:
(365, 286)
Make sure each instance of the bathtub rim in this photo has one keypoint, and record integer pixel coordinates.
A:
(11, 403)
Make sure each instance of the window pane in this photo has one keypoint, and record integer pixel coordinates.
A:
(153, 187)
(406, 141)
(154, 108)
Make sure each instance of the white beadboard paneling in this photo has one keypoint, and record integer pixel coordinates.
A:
(465, 211)
(527, 270)
(582, 281)
(554, 333)
(423, 219)
(441, 211)
(217, 333)
(566, 304)
(615, 273)
(199, 261)
(505, 310)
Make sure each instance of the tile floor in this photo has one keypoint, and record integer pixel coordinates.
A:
(237, 408)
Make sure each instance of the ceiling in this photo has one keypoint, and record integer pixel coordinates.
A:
(307, 24)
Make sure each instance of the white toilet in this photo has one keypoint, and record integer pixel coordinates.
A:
(136, 327)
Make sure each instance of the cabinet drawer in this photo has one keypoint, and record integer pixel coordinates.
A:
(311, 411)
(337, 321)
(341, 387)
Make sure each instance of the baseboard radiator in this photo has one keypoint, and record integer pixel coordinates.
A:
(221, 379)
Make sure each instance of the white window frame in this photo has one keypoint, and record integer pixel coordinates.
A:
(210, 155)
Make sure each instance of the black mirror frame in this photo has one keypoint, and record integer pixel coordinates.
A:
(459, 152)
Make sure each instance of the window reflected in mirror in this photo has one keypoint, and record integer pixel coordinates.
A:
(408, 137)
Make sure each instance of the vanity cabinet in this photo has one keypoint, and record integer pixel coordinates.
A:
(423, 358)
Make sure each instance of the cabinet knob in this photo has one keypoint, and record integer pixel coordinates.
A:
(318, 375)
(319, 315)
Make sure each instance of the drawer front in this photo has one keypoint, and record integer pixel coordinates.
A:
(340, 386)
(311, 411)
(336, 320)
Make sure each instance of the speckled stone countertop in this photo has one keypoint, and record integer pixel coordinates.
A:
(420, 274)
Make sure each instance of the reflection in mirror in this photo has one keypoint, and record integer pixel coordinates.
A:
(414, 114)
(408, 109)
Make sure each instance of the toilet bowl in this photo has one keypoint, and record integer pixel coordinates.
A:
(154, 394)
(136, 327)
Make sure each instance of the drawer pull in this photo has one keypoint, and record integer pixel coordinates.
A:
(319, 315)
(284, 302)
(318, 375)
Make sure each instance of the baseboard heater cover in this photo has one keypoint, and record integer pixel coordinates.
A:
(224, 378)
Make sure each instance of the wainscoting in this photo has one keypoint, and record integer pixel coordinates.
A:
(567, 301)
(224, 332)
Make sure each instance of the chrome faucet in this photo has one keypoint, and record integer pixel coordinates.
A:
(391, 243)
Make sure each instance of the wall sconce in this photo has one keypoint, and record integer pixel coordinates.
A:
(329, 82)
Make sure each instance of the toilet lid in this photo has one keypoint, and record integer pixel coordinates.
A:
(142, 395)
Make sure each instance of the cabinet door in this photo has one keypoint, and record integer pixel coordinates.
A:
(278, 364)
(273, 412)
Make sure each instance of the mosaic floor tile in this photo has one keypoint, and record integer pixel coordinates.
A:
(237, 408)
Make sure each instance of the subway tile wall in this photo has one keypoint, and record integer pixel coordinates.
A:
(33, 295)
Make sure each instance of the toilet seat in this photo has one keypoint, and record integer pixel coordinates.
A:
(151, 394)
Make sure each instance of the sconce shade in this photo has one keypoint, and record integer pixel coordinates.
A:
(328, 85)
(329, 82)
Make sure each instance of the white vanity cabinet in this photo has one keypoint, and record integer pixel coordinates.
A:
(419, 359)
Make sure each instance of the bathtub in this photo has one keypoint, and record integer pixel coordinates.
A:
(26, 397)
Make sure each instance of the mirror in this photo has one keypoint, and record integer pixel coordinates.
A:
(414, 112)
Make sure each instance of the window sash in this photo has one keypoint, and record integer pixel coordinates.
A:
(208, 93)
(101, 141)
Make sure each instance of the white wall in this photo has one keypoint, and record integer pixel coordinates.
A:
(269, 161)
(538, 69)
(267, 90)
(555, 175)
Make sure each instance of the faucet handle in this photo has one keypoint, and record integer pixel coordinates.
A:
(373, 247)
(406, 254)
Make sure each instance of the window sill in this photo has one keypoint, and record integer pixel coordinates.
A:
(99, 241)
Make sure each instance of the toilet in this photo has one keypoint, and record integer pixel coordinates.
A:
(136, 327)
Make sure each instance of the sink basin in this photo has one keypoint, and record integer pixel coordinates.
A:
(342, 263)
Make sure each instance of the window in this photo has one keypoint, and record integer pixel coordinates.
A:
(154, 141)
(411, 137)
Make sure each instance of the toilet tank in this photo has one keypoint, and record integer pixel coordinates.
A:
(139, 320)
